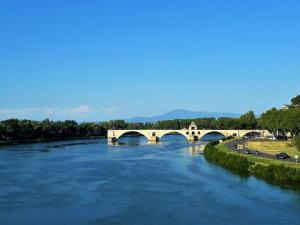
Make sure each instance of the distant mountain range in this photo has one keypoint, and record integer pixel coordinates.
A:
(182, 114)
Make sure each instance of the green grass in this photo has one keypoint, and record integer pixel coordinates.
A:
(257, 159)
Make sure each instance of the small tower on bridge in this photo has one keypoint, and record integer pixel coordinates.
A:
(193, 126)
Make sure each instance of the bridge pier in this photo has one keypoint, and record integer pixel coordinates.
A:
(111, 139)
(153, 139)
(192, 138)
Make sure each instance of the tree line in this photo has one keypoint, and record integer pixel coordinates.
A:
(282, 121)
(15, 129)
(278, 121)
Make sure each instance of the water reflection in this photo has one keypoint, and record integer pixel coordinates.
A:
(125, 143)
(195, 149)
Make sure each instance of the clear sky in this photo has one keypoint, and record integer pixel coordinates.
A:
(98, 60)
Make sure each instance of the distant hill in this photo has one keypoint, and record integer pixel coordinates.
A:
(182, 114)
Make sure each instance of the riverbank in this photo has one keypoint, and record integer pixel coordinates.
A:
(31, 141)
(283, 173)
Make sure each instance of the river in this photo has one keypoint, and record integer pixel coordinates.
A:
(132, 183)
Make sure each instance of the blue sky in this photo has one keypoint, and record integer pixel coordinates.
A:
(100, 60)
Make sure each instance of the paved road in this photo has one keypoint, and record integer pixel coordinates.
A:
(233, 146)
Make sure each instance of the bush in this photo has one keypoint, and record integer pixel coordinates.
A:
(277, 173)
(262, 171)
(233, 162)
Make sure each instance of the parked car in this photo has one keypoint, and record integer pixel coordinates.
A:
(282, 155)
(283, 138)
(247, 152)
(271, 138)
(257, 153)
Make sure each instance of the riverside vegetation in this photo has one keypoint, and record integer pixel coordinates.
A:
(14, 130)
(279, 122)
(274, 171)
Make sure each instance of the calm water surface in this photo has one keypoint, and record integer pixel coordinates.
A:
(90, 182)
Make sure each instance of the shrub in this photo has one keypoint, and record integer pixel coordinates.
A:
(262, 171)
(233, 162)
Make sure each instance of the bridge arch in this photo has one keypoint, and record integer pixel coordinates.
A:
(182, 133)
(131, 132)
(251, 132)
(204, 134)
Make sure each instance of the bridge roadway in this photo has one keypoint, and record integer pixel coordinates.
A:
(190, 134)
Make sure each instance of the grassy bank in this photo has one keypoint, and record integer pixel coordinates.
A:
(283, 173)
(272, 147)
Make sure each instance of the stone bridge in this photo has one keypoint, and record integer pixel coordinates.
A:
(191, 134)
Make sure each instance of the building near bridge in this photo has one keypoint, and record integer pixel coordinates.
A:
(288, 106)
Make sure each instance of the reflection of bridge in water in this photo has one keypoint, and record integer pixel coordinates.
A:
(191, 134)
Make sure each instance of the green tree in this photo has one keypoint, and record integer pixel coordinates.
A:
(26, 130)
(69, 128)
(248, 121)
(229, 123)
(296, 100)
(272, 120)
(2, 131)
(11, 128)
(204, 123)
(291, 120)
(215, 124)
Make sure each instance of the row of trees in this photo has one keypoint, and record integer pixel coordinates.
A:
(14, 129)
(278, 121)
(281, 121)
